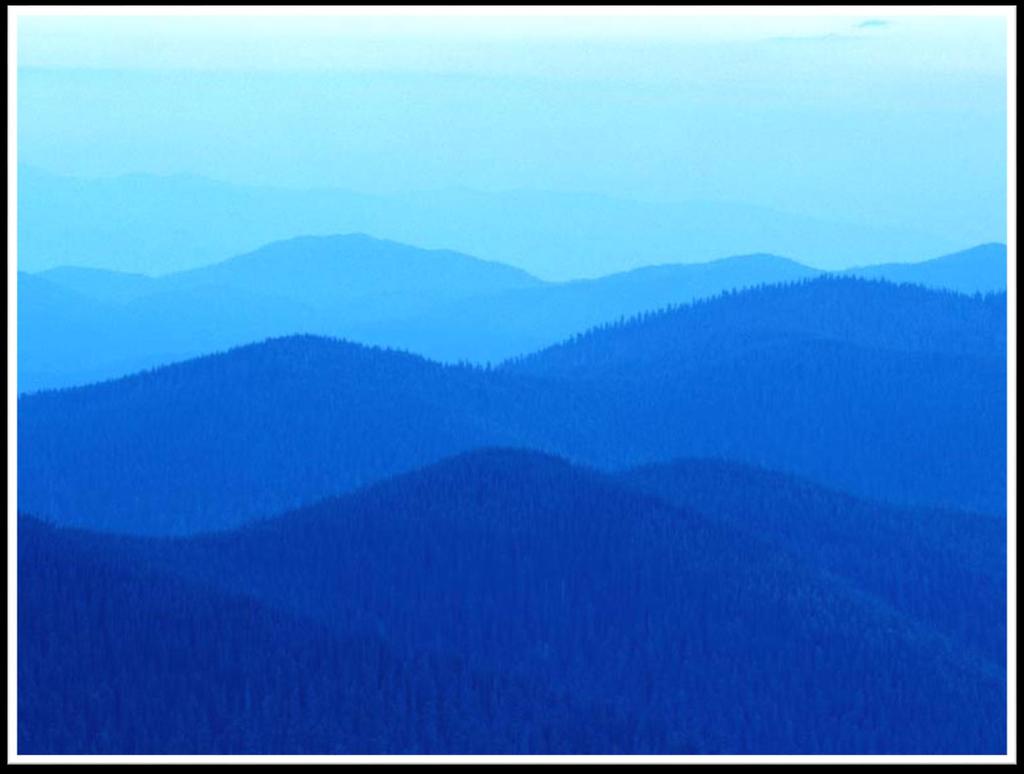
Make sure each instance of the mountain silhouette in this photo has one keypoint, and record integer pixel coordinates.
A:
(163, 224)
(942, 567)
(496, 327)
(980, 269)
(100, 285)
(117, 657)
(886, 392)
(442, 305)
(825, 378)
(322, 285)
(349, 269)
(520, 566)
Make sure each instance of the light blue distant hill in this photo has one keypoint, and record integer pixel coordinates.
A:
(497, 327)
(980, 269)
(153, 224)
(101, 285)
(80, 325)
(369, 277)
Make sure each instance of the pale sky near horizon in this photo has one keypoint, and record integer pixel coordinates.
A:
(897, 120)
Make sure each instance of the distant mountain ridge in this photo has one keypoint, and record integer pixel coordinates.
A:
(164, 224)
(347, 268)
(980, 269)
(439, 304)
(496, 327)
(124, 323)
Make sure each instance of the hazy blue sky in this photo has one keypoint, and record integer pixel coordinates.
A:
(895, 120)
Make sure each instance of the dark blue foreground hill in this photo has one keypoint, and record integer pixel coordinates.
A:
(943, 568)
(118, 659)
(519, 603)
(891, 393)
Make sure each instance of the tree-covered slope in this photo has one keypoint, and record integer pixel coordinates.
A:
(944, 568)
(556, 579)
(899, 395)
(119, 658)
(890, 392)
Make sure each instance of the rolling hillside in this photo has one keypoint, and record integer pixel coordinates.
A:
(554, 579)
(943, 568)
(116, 657)
(889, 393)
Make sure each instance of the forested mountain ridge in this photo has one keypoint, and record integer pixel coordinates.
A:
(943, 567)
(217, 441)
(822, 378)
(860, 312)
(252, 432)
(119, 657)
(521, 566)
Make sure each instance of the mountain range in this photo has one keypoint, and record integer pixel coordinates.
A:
(889, 392)
(167, 224)
(981, 269)
(342, 495)
(83, 325)
(505, 601)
